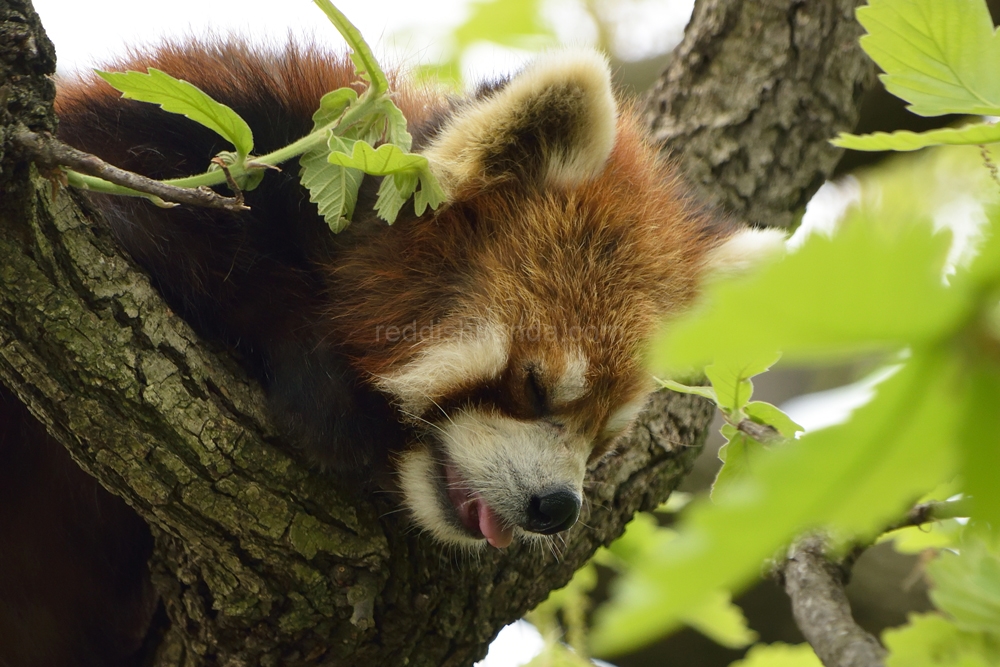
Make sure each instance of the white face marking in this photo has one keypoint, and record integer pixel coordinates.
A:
(623, 417)
(573, 383)
(443, 366)
(506, 461)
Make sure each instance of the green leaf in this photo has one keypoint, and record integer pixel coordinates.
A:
(517, 23)
(181, 97)
(393, 193)
(941, 57)
(904, 140)
(395, 129)
(854, 478)
(765, 413)
(384, 160)
(705, 392)
(720, 620)
(918, 539)
(930, 640)
(738, 456)
(867, 289)
(985, 268)
(334, 189)
(430, 193)
(642, 536)
(332, 106)
(979, 438)
(779, 655)
(967, 586)
(361, 55)
(731, 380)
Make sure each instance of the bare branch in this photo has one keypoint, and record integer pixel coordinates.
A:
(933, 511)
(49, 152)
(821, 610)
(762, 433)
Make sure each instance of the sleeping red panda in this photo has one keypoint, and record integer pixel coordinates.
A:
(485, 352)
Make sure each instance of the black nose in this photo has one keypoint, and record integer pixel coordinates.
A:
(552, 511)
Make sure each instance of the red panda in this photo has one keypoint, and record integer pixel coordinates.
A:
(485, 352)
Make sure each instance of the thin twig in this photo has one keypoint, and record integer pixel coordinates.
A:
(821, 610)
(762, 433)
(229, 179)
(933, 511)
(47, 151)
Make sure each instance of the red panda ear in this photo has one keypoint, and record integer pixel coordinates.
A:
(554, 122)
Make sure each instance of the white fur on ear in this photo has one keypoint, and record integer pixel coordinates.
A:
(745, 250)
(556, 119)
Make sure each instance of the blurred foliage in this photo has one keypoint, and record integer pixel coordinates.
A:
(610, 26)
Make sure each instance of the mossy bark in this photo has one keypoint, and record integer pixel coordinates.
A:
(260, 559)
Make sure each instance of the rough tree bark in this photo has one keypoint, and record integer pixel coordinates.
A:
(261, 560)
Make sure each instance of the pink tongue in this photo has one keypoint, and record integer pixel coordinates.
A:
(491, 528)
(475, 513)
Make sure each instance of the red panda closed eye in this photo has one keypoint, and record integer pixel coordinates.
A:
(485, 351)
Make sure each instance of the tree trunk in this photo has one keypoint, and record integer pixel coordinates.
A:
(258, 558)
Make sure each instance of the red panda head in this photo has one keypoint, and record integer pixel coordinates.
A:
(507, 327)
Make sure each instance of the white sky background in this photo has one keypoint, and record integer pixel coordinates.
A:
(407, 32)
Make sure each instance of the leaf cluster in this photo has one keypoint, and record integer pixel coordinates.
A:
(942, 58)
(341, 148)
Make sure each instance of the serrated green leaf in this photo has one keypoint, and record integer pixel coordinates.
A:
(731, 380)
(720, 620)
(180, 97)
(382, 161)
(888, 283)
(941, 57)
(904, 140)
(779, 655)
(853, 478)
(930, 640)
(395, 125)
(334, 189)
(771, 415)
(967, 587)
(430, 193)
(705, 392)
(393, 194)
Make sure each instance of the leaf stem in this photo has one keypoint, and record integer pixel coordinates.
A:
(216, 177)
(369, 68)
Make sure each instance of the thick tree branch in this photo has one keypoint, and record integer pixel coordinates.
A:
(752, 96)
(821, 610)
